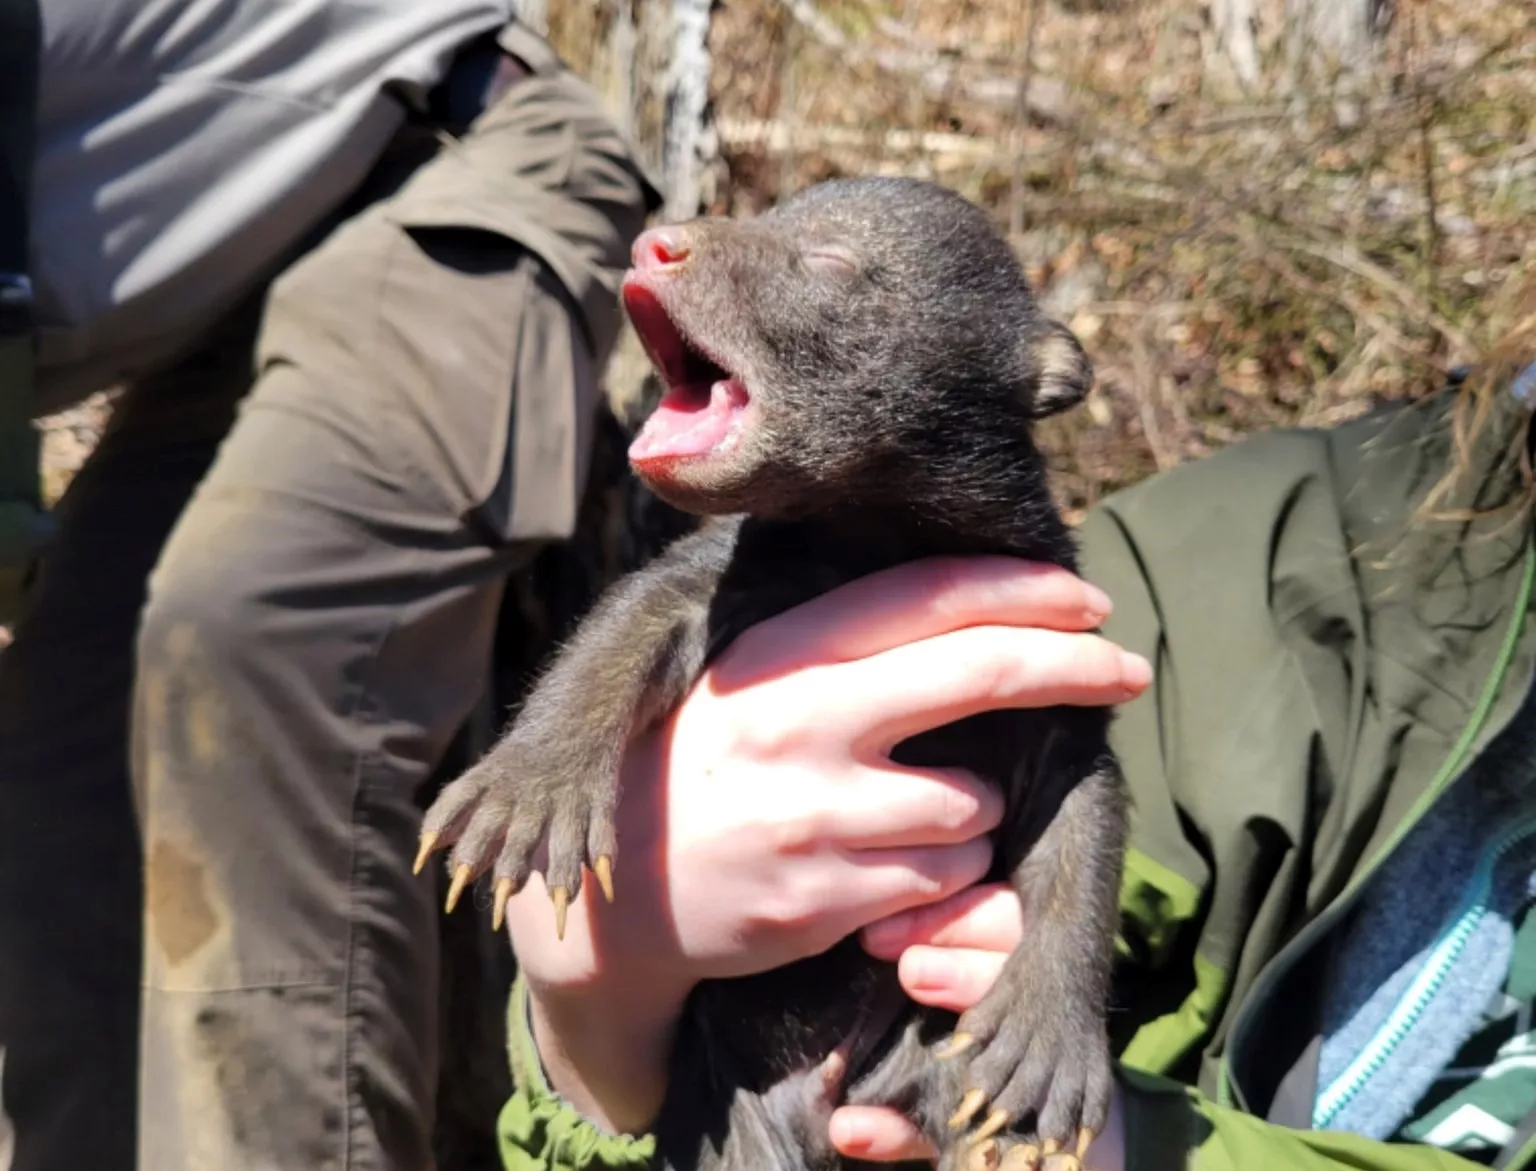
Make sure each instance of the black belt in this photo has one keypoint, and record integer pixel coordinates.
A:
(481, 72)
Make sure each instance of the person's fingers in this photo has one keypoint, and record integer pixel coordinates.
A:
(889, 807)
(877, 1134)
(928, 684)
(864, 885)
(911, 602)
(952, 978)
(988, 917)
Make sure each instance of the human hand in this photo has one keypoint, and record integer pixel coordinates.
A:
(947, 955)
(764, 821)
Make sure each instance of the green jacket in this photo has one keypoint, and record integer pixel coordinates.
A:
(1326, 664)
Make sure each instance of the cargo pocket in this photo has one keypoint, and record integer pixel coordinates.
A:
(579, 242)
(492, 372)
(544, 166)
(469, 313)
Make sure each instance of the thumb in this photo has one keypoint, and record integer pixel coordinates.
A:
(878, 1135)
(948, 977)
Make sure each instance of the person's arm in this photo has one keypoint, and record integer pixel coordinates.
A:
(948, 954)
(766, 821)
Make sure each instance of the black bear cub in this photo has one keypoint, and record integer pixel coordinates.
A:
(850, 381)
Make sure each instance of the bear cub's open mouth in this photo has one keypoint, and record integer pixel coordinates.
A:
(702, 411)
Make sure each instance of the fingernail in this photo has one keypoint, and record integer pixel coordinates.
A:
(927, 971)
(850, 1133)
(1135, 672)
(1099, 605)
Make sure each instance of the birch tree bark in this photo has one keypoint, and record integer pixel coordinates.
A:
(1234, 48)
(1331, 49)
(1336, 35)
(689, 144)
(1328, 47)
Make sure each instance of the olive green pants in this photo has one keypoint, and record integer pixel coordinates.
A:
(270, 609)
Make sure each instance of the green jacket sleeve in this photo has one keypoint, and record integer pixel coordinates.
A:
(1233, 577)
(1318, 661)
(1170, 1127)
(540, 1131)
(1302, 698)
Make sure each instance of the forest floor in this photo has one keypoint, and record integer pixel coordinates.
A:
(1233, 261)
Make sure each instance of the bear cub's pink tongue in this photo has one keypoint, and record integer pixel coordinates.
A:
(688, 422)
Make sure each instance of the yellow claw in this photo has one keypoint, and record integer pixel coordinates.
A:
(456, 888)
(1050, 1148)
(505, 889)
(562, 899)
(984, 1156)
(424, 851)
(1025, 1157)
(603, 868)
(972, 1102)
(1085, 1138)
(1066, 1163)
(833, 1069)
(955, 1046)
(994, 1123)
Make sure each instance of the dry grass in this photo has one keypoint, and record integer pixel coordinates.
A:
(1232, 262)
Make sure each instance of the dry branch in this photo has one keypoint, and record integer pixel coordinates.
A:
(938, 73)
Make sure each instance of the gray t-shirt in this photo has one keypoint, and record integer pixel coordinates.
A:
(185, 144)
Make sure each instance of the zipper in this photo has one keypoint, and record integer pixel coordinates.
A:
(1417, 998)
(1450, 769)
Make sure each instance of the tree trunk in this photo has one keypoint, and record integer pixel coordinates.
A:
(689, 145)
(1335, 35)
(1328, 47)
(1331, 48)
(1232, 54)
